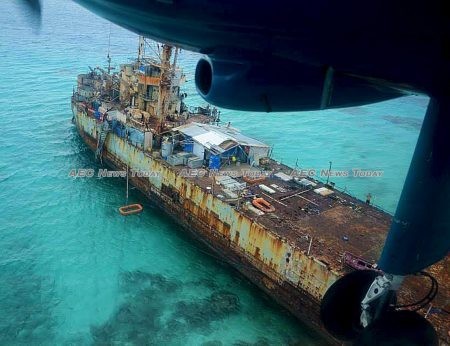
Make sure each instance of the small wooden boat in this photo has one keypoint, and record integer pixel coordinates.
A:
(130, 209)
(263, 205)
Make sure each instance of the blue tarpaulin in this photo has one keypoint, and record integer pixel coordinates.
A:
(135, 136)
(214, 162)
(96, 105)
(120, 130)
(188, 146)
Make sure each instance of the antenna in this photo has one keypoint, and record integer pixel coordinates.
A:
(109, 46)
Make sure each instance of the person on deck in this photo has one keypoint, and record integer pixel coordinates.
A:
(368, 198)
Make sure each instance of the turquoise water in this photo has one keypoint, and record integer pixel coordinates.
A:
(74, 272)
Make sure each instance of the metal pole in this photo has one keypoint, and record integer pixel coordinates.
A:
(174, 66)
(141, 48)
(127, 183)
(309, 247)
(329, 172)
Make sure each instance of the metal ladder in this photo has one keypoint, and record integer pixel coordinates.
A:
(104, 130)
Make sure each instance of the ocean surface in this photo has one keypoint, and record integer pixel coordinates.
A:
(74, 272)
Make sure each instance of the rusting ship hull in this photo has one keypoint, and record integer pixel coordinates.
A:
(260, 255)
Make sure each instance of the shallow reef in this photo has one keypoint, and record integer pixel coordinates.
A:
(413, 123)
(26, 305)
(154, 314)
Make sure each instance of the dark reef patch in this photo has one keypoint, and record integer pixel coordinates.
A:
(206, 282)
(26, 306)
(413, 123)
(200, 313)
(153, 314)
(133, 282)
(138, 320)
(133, 322)
(212, 343)
(259, 342)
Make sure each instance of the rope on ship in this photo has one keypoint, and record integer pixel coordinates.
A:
(130, 209)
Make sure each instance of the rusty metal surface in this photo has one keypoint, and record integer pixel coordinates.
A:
(149, 80)
(274, 247)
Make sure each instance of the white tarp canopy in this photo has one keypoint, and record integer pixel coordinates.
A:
(208, 139)
(212, 136)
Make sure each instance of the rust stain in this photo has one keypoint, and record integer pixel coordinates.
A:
(149, 80)
(269, 284)
(226, 230)
(239, 222)
(183, 190)
(204, 201)
(257, 254)
(236, 237)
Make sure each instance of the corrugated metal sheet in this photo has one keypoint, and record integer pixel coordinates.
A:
(205, 133)
(209, 138)
(283, 176)
(323, 191)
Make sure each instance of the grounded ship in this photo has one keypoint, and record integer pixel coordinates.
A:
(287, 232)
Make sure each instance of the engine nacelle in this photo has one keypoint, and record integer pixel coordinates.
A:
(277, 85)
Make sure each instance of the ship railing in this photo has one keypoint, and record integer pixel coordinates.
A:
(346, 191)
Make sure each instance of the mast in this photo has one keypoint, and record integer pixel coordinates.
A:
(141, 50)
(175, 58)
(109, 64)
(164, 84)
(127, 185)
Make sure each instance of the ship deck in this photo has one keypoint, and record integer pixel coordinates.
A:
(336, 223)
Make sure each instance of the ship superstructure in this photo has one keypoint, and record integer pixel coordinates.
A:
(291, 235)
